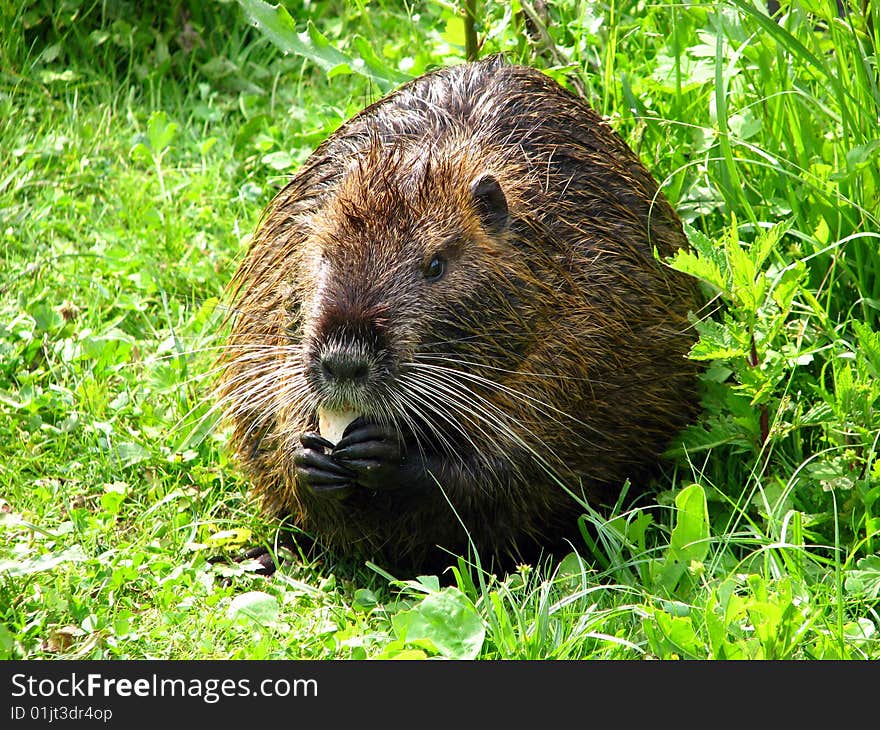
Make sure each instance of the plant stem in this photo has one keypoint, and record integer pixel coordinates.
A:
(471, 46)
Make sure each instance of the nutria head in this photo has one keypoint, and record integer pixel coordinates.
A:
(390, 268)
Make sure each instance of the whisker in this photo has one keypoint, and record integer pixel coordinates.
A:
(476, 362)
(427, 397)
(499, 423)
(542, 407)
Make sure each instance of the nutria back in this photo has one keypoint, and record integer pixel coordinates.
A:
(466, 268)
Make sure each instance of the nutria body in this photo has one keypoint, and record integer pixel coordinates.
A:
(468, 265)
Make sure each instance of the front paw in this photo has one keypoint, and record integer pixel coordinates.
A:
(320, 471)
(373, 452)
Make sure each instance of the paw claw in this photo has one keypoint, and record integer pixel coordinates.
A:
(313, 440)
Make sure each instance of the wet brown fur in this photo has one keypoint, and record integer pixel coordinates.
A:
(568, 306)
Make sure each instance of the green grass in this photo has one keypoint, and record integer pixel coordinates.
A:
(137, 150)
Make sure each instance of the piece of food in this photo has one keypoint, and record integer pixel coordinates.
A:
(332, 424)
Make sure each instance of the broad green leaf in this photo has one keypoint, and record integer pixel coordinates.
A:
(279, 27)
(385, 75)
(690, 536)
(832, 474)
(718, 341)
(453, 33)
(694, 72)
(333, 59)
(786, 284)
(255, 606)
(863, 155)
(860, 630)
(130, 453)
(711, 255)
(701, 243)
(12, 568)
(700, 267)
(235, 537)
(716, 619)
(430, 582)
(745, 284)
(276, 24)
(160, 131)
(672, 637)
(7, 642)
(364, 600)
(745, 124)
(869, 346)
(113, 497)
(766, 241)
(46, 318)
(278, 160)
(446, 619)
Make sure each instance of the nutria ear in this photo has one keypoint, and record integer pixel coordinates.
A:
(490, 203)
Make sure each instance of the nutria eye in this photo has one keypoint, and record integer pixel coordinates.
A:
(435, 269)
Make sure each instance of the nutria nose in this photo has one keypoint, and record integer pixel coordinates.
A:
(339, 366)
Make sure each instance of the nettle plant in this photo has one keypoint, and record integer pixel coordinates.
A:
(789, 395)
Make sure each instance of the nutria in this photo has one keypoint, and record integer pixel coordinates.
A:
(467, 269)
